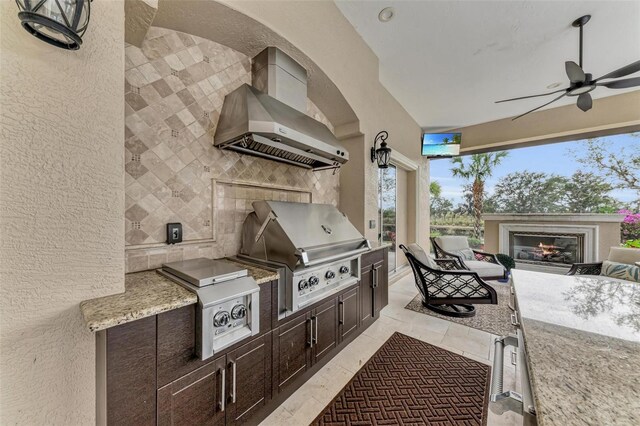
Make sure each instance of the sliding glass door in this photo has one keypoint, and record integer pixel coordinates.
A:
(387, 195)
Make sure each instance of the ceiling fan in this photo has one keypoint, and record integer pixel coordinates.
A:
(582, 83)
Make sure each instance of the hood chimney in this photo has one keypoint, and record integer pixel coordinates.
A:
(279, 76)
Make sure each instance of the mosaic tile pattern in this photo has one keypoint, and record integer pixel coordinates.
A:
(174, 89)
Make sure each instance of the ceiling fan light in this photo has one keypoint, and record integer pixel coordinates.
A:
(582, 89)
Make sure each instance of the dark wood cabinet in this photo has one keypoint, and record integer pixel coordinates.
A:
(154, 376)
(366, 296)
(348, 313)
(374, 286)
(197, 398)
(291, 351)
(324, 320)
(131, 373)
(249, 379)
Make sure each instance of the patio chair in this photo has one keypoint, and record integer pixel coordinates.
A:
(628, 256)
(444, 288)
(486, 265)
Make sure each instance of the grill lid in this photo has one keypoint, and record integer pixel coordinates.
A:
(299, 234)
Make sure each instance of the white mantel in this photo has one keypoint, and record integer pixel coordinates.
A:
(555, 217)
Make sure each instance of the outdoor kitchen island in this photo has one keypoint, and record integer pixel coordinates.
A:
(582, 347)
(149, 372)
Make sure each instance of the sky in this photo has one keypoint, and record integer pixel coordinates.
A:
(552, 158)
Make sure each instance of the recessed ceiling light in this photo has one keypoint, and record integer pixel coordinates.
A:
(386, 14)
(553, 85)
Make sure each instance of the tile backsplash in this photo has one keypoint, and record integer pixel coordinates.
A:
(174, 89)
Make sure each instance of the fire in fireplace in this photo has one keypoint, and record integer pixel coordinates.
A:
(546, 248)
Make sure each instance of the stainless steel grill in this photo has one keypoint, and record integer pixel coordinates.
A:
(315, 247)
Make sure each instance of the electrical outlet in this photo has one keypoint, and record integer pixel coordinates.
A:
(174, 233)
(372, 224)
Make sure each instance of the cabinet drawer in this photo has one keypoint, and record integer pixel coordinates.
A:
(372, 257)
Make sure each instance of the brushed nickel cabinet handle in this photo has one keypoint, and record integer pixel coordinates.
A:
(223, 392)
(310, 321)
(233, 382)
(316, 330)
(341, 313)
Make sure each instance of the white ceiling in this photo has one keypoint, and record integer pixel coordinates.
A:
(447, 62)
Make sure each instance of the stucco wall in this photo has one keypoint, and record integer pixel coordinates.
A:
(401, 214)
(61, 206)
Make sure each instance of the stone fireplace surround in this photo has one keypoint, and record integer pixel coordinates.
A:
(599, 231)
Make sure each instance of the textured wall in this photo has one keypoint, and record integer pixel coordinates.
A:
(175, 85)
(61, 204)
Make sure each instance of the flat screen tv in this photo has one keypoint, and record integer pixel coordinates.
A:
(440, 145)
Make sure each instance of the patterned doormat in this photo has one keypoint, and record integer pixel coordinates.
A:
(494, 319)
(408, 381)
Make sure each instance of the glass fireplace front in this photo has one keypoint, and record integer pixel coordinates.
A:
(546, 248)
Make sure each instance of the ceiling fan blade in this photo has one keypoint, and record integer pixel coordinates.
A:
(585, 102)
(621, 72)
(574, 72)
(541, 106)
(621, 84)
(532, 96)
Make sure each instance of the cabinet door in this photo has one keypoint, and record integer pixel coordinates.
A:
(195, 399)
(348, 313)
(249, 379)
(325, 333)
(380, 287)
(366, 297)
(291, 350)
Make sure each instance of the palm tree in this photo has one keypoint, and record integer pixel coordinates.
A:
(478, 169)
(435, 188)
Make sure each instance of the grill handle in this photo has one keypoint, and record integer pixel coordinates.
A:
(502, 401)
(334, 257)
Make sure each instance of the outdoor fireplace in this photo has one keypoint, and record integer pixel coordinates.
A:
(546, 248)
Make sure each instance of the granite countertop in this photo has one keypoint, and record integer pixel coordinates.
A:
(582, 339)
(145, 294)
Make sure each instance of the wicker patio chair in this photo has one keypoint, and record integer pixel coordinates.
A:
(444, 288)
(629, 256)
(486, 265)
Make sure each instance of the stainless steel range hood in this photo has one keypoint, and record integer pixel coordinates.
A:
(268, 120)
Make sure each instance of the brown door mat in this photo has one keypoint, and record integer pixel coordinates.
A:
(410, 382)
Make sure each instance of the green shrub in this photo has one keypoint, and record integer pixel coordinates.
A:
(632, 244)
(507, 261)
(474, 242)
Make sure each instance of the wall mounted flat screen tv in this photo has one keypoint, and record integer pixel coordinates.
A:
(441, 144)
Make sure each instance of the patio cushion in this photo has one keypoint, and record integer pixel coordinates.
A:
(422, 256)
(624, 255)
(621, 270)
(485, 269)
(467, 254)
(452, 243)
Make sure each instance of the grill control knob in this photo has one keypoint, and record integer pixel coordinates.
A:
(329, 275)
(238, 312)
(221, 319)
(313, 280)
(344, 270)
(303, 285)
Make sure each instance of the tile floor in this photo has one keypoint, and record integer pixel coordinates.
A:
(307, 402)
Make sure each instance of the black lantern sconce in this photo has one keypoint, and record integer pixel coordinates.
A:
(383, 154)
(61, 23)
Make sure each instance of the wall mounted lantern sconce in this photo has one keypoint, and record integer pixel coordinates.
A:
(383, 154)
(61, 23)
